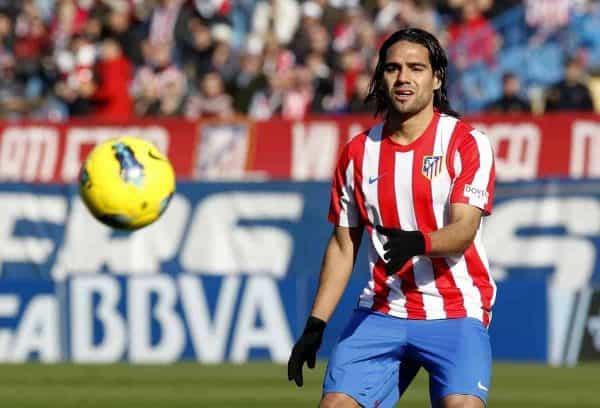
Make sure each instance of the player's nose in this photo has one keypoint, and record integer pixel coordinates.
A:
(403, 76)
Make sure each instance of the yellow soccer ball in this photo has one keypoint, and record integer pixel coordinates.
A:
(126, 183)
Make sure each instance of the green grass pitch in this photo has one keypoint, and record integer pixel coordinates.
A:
(261, 385)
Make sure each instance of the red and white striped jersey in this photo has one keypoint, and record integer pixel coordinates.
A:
(379, 182)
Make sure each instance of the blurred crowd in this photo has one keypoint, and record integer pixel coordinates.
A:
(118, 59)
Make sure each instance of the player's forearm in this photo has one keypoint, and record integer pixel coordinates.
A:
(451, 240)
(336, 269)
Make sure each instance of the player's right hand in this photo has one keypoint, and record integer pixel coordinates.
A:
(305, 349)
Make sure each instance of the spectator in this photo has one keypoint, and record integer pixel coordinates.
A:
(331, 12)
(357, 103)
(111, 96)
(350, 67)
(31, 41)
(276, 57)
(267, 102)
(322, 38)
(241, 20)
(77, 81)
(367, 41)
(510, 101)
(310, 27)
(211, 99)
(159, 86)
(216, 11)
(279, 16)
(6, 34)
(92, 29)
(385, 15)
(546, 18)
(251, 77)
(570, 94)
(31, 37)
(162, 21)
(13, 98)
(298, 98)
(69, 19)
(472, 39)
(320, 42)
(322, 82)
(118, 23)
(346, 32)
(224, 59)
(196, 44)
(425, 16)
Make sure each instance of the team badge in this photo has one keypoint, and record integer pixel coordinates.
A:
(432, 166)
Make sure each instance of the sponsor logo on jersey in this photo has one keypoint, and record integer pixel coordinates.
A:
(475, 193)
(373, 179)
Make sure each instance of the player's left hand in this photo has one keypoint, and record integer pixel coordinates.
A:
(305, 349)
(400, 247)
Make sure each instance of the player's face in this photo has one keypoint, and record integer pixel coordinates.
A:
(409, 78)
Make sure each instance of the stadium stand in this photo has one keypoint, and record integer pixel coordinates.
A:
(119, 58)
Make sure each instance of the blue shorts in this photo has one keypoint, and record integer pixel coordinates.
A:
(377, 356)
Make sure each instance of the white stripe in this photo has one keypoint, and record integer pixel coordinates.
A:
(349, 210)
(370, 168)
(482, 175)
(367, 296)
(442, 184)
(457, 163)
(403, 168)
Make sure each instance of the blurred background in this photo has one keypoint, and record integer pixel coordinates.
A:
(62, 59)
(252, 101)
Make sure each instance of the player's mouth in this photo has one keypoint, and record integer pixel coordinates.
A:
(403, 94)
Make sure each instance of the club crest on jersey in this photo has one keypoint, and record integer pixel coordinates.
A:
(432, 166)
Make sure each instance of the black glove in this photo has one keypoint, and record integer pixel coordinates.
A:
(305, 349)
(401, 247)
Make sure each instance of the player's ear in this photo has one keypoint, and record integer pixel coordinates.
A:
(437, 82)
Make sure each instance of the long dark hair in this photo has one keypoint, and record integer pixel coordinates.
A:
(437, 59)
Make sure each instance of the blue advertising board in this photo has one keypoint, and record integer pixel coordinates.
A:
(230, 270)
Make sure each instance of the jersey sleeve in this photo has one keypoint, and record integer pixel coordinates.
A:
(343, 209)
(474, 172)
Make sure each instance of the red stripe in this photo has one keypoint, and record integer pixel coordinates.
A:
(469, 157)
(470, 164)
(380, 300)
(481, 280)
(454, 303)
(414, 299)
(426, 223)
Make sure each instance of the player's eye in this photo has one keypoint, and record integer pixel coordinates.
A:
(391, 68)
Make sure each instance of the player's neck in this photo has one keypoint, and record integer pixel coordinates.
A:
(406, 129)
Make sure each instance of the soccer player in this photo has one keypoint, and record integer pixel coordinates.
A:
(419, 182)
